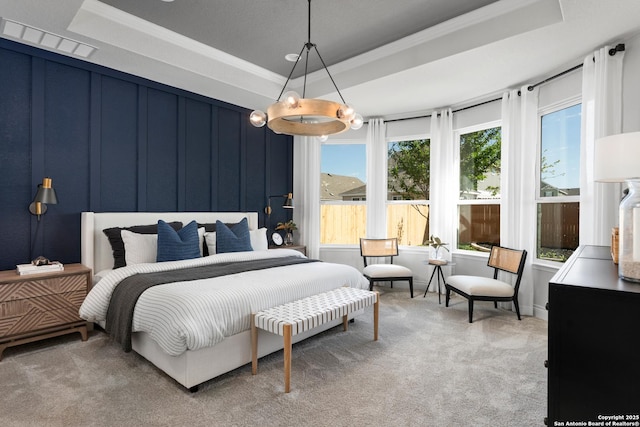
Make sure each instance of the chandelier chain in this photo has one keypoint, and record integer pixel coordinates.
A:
(290, 74)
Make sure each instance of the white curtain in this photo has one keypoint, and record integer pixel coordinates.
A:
(518, 182)
(601, 116)
(306, 192)
(376, 179)
(442, 195)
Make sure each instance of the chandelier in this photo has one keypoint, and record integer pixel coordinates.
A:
(293, 114)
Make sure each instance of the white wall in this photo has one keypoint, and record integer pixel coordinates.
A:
(552, 94)
(631, 86)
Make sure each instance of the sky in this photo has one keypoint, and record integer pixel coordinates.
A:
(560, 132)
(344, 159)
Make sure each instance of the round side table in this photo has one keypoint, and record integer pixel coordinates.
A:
(437, 263)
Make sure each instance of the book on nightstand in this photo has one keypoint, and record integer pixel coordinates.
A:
(23, 269)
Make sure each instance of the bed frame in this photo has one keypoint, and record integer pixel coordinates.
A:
(191, 368)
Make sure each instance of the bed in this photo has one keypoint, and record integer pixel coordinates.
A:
(192, 358)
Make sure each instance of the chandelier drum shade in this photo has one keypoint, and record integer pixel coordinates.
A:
(295, 115)
(283, 119)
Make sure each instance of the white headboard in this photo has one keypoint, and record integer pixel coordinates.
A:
(96, 250)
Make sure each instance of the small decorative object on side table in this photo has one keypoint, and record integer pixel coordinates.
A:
(288, 227)
(437, 270)
(436, 243)
(277, 239)
(42, 305)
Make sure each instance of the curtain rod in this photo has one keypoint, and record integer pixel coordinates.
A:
(454, 111)
(620, 47)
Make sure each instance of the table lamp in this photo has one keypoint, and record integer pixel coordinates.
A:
(617, 159)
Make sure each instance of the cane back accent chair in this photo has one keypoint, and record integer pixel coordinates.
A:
(383, 272)
(477, 288)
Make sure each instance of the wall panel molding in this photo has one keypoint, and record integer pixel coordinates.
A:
(142, 148)
(119, 142)
(95, 141)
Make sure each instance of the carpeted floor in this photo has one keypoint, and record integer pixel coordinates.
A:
(430, 367)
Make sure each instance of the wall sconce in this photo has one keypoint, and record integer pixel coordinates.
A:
(616, 160)
(288, 203)
(45, 195)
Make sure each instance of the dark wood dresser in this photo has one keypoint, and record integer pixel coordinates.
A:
(594, 342)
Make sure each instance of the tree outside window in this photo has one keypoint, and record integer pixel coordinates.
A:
(408, 181)
(479, 189)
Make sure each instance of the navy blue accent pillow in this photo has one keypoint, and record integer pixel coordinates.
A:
(177, 245)
(233, 239)
(209, 227)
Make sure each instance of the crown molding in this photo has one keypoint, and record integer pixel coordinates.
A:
(98, 20)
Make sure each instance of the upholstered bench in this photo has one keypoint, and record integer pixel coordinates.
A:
(298, 316)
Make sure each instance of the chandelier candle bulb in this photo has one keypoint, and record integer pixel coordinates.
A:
(258, 118)
(357, 122)
(346, 112)
(291, 99)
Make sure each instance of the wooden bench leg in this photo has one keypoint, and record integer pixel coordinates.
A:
(254, 345)
(345, 322)
(375, 316)
(287, 358)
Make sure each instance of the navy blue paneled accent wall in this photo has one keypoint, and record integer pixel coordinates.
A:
(113, 142)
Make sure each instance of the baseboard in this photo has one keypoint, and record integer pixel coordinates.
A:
(540, 312)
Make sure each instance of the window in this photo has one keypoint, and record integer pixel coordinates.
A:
(558, 207)
(479, 189)
(408, 191)
(343, 189)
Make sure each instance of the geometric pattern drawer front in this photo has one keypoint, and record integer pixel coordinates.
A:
(35, 320)
(31, 318)
(36, 288)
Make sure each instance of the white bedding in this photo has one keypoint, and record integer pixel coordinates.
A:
(196, 314)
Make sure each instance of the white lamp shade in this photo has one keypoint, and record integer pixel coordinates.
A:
(617, 157)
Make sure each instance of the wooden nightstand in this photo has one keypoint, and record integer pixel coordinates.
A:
(44, 305)
(300, 248)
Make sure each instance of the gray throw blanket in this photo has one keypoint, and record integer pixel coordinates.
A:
(126, 294)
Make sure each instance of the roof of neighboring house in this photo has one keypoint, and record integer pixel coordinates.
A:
(564, 191)
(333, 186)
(358, 191)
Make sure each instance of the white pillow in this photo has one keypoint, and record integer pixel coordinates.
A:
(142, 248)
(200, 239)
(139, 248)
(259, 240)
(210, 239)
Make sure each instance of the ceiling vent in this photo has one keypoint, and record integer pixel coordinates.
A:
(41, 38)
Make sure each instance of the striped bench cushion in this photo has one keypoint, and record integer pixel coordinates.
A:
(313, 311)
